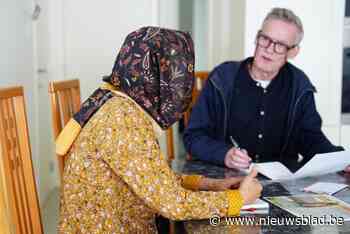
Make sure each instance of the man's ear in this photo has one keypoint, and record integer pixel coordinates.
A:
(292, 53)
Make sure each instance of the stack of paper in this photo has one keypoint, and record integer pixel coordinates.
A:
(258, 207)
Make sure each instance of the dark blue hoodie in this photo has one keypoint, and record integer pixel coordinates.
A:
(205, 135)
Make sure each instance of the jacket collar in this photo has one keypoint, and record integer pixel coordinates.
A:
(224, 80)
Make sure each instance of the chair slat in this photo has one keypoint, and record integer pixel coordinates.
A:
(64, 105)
(56, 116)
(18, 172)
(27, 165)
(170, 144)
(17, 163)
(4, 212)
(9, 167)
(65, 101)
(76, 98)
(11, 172)
(63, 84)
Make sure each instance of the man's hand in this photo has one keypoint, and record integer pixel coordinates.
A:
(250, 188)
(238, 159)
(220, 184)
(347, 169)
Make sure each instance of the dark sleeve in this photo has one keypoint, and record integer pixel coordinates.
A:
(200, 137)
(311, 139)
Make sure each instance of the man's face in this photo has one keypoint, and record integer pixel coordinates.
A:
(281, 33)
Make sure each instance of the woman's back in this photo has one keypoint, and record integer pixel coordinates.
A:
(94, 198)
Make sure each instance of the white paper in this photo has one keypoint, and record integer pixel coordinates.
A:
(320, 164)
(327, 188)
(258, 204)
(274, 170)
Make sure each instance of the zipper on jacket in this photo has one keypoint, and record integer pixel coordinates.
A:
(292, 121)
(225, 108)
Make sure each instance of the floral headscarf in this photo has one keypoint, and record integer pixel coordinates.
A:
(155, 68)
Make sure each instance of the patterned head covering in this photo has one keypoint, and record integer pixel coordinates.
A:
(155, 68)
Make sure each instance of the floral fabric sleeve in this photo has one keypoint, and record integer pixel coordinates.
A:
(131, 150)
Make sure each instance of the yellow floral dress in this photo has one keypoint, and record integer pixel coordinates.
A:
(115, 179)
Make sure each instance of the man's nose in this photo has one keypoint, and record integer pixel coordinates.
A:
(270, 48)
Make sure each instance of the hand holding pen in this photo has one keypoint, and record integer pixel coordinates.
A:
(236, 157)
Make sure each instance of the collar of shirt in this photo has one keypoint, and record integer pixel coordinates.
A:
(263, 83)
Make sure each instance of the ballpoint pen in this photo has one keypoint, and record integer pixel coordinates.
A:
(249, 209)
(234, 143)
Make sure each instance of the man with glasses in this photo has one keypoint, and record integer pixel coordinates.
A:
(260, 109)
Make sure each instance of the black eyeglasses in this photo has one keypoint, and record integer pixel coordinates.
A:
(278, 47)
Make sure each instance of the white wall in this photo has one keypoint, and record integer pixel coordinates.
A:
(345, 138)
(48, 169)
(226, 28)
(169, 14)
(200, 34)
(16, 60)
(93, 32)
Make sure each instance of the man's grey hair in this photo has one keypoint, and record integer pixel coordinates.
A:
(288, 16)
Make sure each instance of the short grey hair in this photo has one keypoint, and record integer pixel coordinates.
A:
(287, 16)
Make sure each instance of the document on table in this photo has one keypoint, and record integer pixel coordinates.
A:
(320, 164)
(323, 187)
(316, 205)
(258, 207)
(258, 204)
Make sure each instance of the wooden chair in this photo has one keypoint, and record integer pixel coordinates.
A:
(16, 164)
(200, 79)
(170, 144)
(65, 101)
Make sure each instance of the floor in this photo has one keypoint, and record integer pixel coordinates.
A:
(49, 214)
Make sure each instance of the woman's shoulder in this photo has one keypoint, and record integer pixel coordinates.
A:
(119, 105)
(122, 108)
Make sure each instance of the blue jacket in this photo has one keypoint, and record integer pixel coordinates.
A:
(205, 135)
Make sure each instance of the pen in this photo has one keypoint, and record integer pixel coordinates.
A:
(249, 209)
(234, 143)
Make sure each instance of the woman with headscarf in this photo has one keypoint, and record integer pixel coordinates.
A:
(115, 178)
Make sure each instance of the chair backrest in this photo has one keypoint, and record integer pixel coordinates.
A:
(200, 79)
(17, 164)
(65, 101)
(170, 144)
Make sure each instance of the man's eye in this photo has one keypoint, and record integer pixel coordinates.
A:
(281, 45)
(264, 38)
